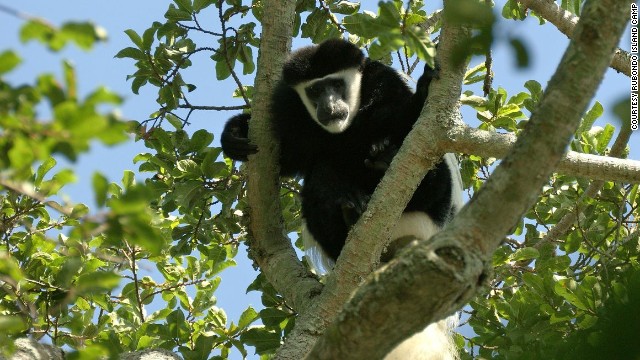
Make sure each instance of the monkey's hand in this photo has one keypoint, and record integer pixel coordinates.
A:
(235, 138)
(422, 88)
(353, 206)
(380, 155)
(431, 72)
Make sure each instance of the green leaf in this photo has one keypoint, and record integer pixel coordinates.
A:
(128, 179)
(389, 13)
(188, 193)
(589, 118)
(174, 121)
(604, 138)
(420, 43)
(200, 140)
(587, 322)
(9, 267)
(201, 350)
(245, 55)
(184, 5)
(97, 281)
(272, 317)
(513, 10)
(222, 70)
(132, 53)
(43, 169)
(12, 325)
(8, 61)
(147, 38)
(345, 7)
(190, 169)
(100, 188)
(58, 181)
(573, 242)
(36, 30)
(168, 96)
(68, 271)
(201, 4)
(534, 88)
(567, 289)
(520, 51)
(84, 34)
(633, 194)
(212, 168)
(265, 341)
(79, 211)
(175, 14)
(137, 84)
(177, 325)
(248, 316)
(527, 253)
(135, 38)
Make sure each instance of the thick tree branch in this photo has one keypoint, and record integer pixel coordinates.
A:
(489, 144)
(566, 23)
(269, 247)
(453, 262)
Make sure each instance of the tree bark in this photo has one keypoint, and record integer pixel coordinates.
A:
(269, 246)
(467, 140)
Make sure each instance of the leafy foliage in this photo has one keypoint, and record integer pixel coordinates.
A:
(80, 276)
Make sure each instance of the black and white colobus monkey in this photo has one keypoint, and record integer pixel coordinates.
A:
(340, 119)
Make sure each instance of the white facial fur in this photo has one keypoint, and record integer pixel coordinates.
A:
(352, 78)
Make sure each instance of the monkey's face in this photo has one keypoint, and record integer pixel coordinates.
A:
(332, 101)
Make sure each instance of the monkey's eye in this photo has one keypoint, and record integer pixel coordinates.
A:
(313, 91)
(338, 86)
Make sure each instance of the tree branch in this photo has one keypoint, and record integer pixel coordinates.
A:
(269, 246)
(566, 23)
(453, 262)
(566, 223)
(489, 144)
(27, 189)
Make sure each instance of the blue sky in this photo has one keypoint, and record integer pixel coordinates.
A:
(546, 45)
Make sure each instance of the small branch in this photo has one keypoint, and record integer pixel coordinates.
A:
(331, 17)
(430, 24)
(566, 23)
(27, 189)
(136, 282)
(215, 108)
(488, 78)
(225, 53)
(13, 12)
(488, 62)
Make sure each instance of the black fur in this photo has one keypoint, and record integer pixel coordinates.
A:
(341, 171)
(314, 62)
